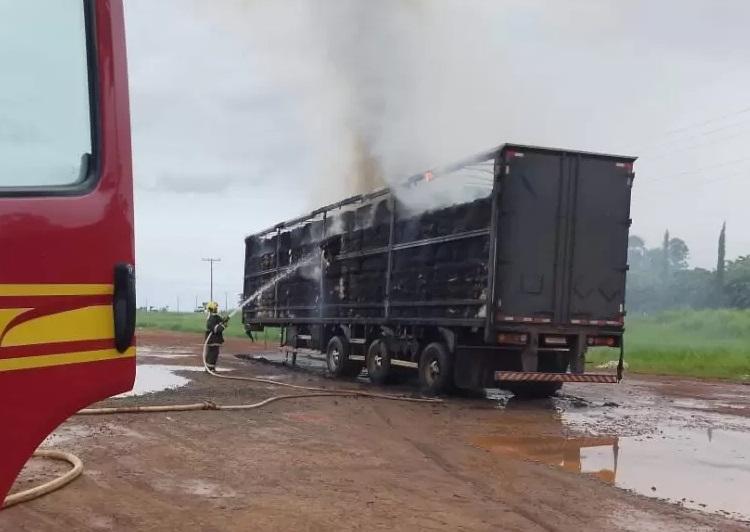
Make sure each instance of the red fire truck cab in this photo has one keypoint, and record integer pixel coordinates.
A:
(67, 292)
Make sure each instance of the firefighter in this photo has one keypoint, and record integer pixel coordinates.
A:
(215, 326)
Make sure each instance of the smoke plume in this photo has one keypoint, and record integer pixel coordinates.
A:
(380, 90)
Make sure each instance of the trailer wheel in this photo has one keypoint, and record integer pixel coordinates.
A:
(337, 359)
(436, 369)
(379, 362)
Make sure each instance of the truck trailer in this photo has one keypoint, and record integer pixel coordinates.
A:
(506, 285)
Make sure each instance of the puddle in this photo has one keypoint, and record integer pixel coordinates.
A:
(150, 378)
(704, 469)
(66, 433)
(71, 432)
(501, 397)
(164, 352)
(168, 356)
(305, 360)
(566, 453)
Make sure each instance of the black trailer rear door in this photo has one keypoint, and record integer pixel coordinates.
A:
(527, 236)
(562, 230)
(599, 238)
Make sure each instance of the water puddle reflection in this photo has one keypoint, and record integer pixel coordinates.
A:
(165, 352)
(704, 469)
(150, 378)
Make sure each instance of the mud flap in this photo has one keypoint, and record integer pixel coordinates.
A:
(472, 369)
(530, 354)
(578, 356)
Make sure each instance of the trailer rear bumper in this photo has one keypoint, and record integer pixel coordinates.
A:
(534, 376)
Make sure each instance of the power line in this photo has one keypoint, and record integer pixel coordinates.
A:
(728, 126)
(709, 121)
(680, 130)
(703, 183)
(662, 154)
(724, 178)
(697, 170)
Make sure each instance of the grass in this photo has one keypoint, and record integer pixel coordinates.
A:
(196, 322)
(695, 343)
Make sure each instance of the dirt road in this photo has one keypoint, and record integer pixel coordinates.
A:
(360, 464)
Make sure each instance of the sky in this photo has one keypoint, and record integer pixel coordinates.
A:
(246, 113)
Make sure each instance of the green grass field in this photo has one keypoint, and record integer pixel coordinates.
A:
(196, 322)
(707, 343)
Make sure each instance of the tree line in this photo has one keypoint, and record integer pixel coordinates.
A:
(660, 277)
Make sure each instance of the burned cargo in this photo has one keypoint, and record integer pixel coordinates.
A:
(506, 288)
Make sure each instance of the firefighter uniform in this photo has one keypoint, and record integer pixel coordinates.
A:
(215, 326)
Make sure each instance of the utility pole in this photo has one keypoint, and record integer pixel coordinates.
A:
(226, 301)
(178, 304)
(211, 261)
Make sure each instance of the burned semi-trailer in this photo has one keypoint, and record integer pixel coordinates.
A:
(505, 289)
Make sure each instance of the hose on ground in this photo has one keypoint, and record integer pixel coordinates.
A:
(68, 477)
(77, 469)
(345, 391)
(209, 405)
(52, 485)
(348, 392)
(205, 405)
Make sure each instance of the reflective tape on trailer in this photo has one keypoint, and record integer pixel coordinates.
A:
(534, 376)
(524, 319)
(596, 322)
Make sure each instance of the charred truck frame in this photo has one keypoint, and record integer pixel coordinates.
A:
(506, 290)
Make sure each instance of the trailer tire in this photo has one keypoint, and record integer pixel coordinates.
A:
(337, 358)
(379, 362)
(436, 369)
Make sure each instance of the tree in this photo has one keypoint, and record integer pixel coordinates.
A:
(719, 299)
(737, 288)
(721, 260)
(659, 277)
(646, 282)
(636, 252)
(665, 256)
(677, 254)
(691, 288)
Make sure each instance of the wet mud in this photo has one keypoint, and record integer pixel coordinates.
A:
(690, 451)
(648, 454)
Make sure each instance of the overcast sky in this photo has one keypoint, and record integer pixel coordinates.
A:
(246, 113)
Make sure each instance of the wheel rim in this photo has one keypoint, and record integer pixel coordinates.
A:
(377, 360)
(433, 371)
(335, 358)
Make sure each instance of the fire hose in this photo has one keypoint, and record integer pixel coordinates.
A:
(52, 485)
(77, 470)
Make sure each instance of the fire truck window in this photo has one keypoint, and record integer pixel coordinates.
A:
(44, 96)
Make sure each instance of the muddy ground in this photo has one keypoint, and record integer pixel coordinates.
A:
(648, 454)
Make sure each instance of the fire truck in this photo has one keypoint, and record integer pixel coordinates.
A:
(67, 288)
